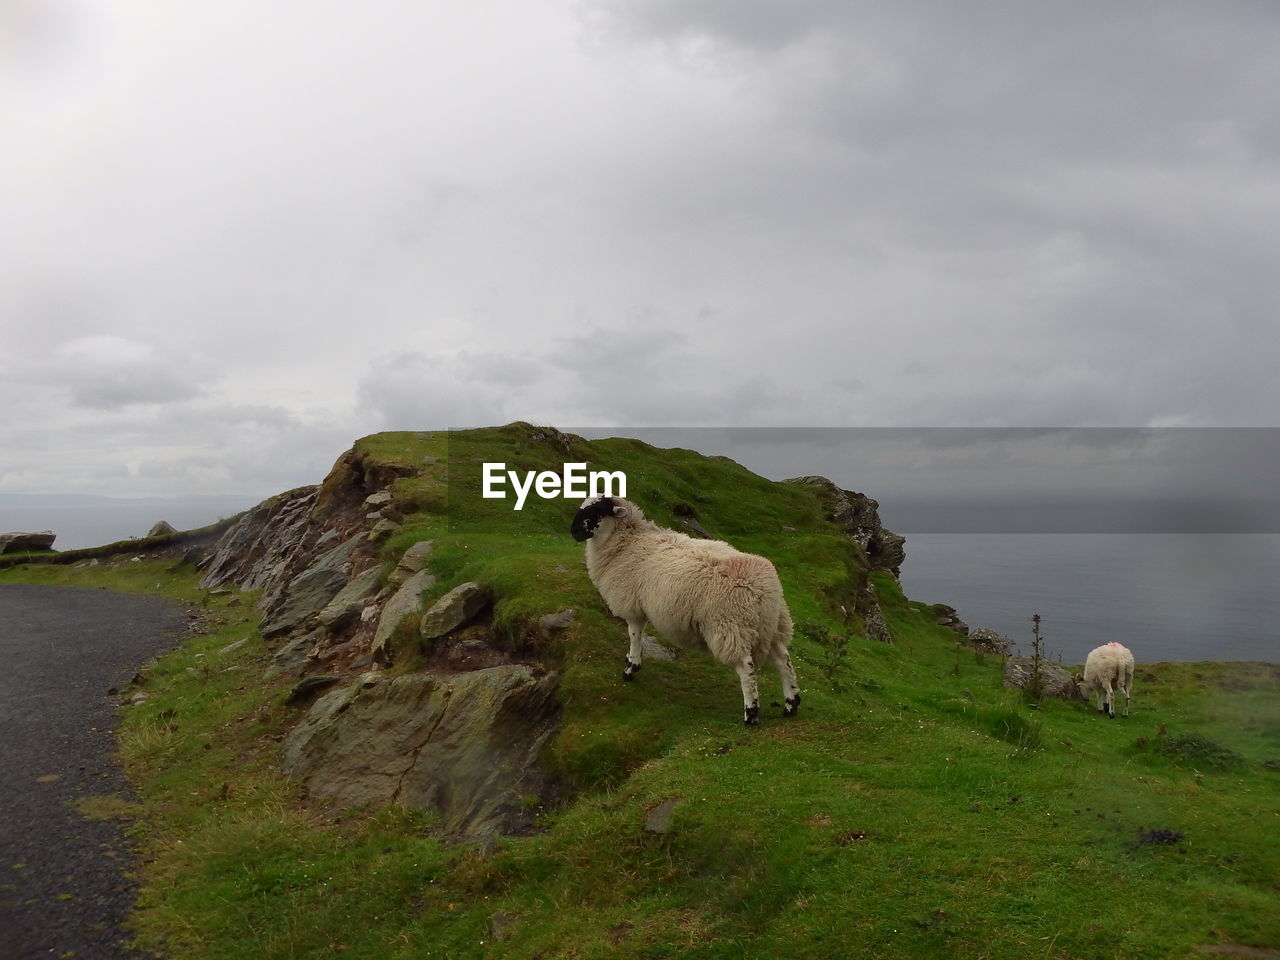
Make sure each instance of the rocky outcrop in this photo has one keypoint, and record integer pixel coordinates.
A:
(454, 609)
(24, 542)
(990, 641)
(465, 745)
(859, 516)
(161, 529)
(406, 603)
(945, 615)
(264, 544)
(1055, 681)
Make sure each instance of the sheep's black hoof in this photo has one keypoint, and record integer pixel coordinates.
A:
(751, 716)
(630, 671)
(792, 706)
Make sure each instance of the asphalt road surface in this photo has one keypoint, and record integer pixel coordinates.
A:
(63, 889)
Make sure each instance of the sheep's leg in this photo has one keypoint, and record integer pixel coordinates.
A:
(1126, 687)
(790, 688)
(1110, 710)
(635, 630)
(750, 691)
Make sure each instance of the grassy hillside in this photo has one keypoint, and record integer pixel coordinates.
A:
(913, 809)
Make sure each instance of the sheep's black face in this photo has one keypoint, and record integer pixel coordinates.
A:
(589, 517)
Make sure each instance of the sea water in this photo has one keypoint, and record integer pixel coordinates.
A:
(1165, 596)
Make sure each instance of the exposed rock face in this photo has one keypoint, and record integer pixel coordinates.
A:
(466, 745)
(162, 528)
(345, 608)
(22, 542)
(264, 544)
(946, 616)
(454, 609)
(1055, 681)
(859, 516)
(406, 603)
(413, 560)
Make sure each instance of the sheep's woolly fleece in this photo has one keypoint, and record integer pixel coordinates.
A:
(695, 592)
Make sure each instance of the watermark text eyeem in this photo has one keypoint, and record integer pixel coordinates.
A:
(574, 483)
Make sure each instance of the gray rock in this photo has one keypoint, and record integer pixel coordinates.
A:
(552, 623)
(344, 609)
(658, 819)
(376, 501)
(382, 530)
(308, 687)
(651, 649)
(466, 746)
(455, 608)
(988, 640)
(295, 656)
(859, 516)
(22, 542)
(259, 546)
(162, 528)
(310, 591)
(307, 594)
(405, 603)
(232, 647)
(413, 560)
(1055, 681)
(876, 627)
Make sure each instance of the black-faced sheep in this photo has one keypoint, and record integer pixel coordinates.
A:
(1108, 668)
(694, 592)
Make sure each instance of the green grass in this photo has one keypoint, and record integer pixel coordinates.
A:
(914, 809)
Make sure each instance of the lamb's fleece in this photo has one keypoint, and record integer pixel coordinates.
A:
(1109, 668)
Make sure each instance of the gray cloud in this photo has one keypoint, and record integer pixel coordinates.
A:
(745, 213)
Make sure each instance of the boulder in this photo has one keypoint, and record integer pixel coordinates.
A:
(345, 609)
(550, 624)
(378, 500)
(454, 609)
(1055, 681)
(404, 603)
(382, 530)
(161, 529)
(466, 746)
(24, 542)
(413, 560)
(989, 641)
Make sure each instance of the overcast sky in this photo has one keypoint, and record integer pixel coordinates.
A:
(234, 237)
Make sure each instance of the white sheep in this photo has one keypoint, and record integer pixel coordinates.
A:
(1107, 668)
(694, 592)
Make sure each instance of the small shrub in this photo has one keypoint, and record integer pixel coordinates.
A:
(835, 652)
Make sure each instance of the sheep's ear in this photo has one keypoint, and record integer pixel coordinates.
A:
(619, 509)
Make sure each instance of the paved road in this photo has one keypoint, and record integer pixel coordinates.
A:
(62, 886)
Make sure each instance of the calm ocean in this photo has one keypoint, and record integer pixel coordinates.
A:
(1165, 596)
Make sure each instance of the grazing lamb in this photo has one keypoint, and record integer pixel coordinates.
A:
(695, 592)
(1107, 668)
